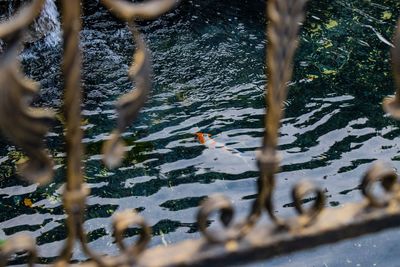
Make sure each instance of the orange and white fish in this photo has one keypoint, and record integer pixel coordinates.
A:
(206, 140)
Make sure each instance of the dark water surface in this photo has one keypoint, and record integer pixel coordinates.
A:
(208, 59)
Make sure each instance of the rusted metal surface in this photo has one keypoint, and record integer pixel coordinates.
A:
(285, 18)
(23, 125)
(237, 242)
(140, 71)
(266, 241)
(130, 104)
(392, 104)
(16, 118)
(139, 11)
(128, 108)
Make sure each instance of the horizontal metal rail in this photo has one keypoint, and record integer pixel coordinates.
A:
(267, 241)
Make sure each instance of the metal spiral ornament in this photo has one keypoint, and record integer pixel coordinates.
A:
(23, 125)
(285, 18)
(140, 72)
(129, 105)
(147, 10)
(300, 191)
(392, 104)
(17, 244)
(128, 108)
(222, 205)
(124, 220)
(238, 240)
(387, 177)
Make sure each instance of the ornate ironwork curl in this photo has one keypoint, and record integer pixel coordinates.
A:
(124, 220)
(139, 11)
(129, 105)
(18, 243)
(300, 191)
(23, 18)
(222, 205)
(23, 125)
(383, 173)
(285, 20)
(74, 203)
(128, 108)
(75, 192)
(392, 104)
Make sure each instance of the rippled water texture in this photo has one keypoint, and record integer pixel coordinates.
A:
(208, 59)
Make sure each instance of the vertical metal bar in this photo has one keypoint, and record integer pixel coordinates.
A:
(75, 194)
(282, 31)
(73, 92)
(284, 18)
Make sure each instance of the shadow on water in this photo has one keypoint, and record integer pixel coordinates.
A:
(208, 59)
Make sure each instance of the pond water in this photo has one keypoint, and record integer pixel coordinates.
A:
(208, 59)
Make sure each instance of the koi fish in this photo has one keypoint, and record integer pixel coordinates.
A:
(206, 140)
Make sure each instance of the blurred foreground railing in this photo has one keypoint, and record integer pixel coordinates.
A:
(236, 242)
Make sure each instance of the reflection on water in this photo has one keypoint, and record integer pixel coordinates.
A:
(209, 77)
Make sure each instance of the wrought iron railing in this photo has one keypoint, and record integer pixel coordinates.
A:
(237, 242)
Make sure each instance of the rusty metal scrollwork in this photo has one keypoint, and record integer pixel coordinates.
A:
(19, 243)
(383, 173)
(24, 125)
(124, 220)
(222, 205)
(299, 192)
(14, 88)
(129, 105)
(392, 104)
(75, 192)
(285, 18)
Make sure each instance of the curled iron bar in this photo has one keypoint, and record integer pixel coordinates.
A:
(299, 192)
(391, 105)
(140, 72)
(148, 10)
(23, 125)
(285, 18)
(386, 175)
(217, 204)
(74, 203)
(18, 243)
(129, 105)
(124, 220)
(75, 192)
(128, 109)
(23, 18)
